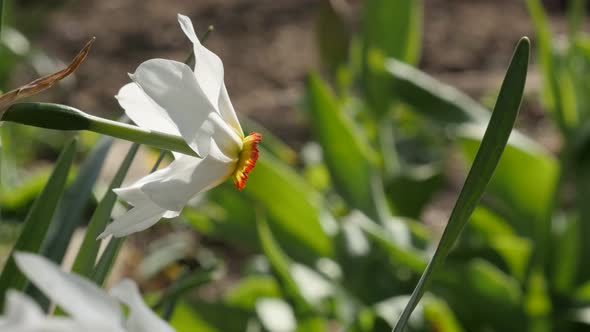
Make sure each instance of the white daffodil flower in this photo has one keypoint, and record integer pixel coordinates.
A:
(89, 308)
(168, 96)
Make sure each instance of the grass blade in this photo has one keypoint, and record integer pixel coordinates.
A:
(38, 220)
(86, 257)
(486, 160)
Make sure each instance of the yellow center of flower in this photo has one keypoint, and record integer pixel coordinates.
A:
(247, 159)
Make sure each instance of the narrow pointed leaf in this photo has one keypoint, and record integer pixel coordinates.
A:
(294, 208)
(391, 29)
(86, 257)
(71, 207)
(488, 156)
(434, 99)
(333, 33)
(280, 265)
(38, 221)
(554, 91)
(349, 157)
(106, 261)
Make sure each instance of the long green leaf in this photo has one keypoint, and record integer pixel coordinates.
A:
(437, 100)
(488, 156)
(349, 157)
(523, 184)
(395, 27)
(280, 264)
(575, 14)
(333, 34)
(293, 206)
(86, 257)
(553, 92)
(38, 220)
(188, 282)
(391, 29)
(106, 261)
(61, 117)
(75, 199)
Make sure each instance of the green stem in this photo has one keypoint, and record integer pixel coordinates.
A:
(61, 117)
(140, 135)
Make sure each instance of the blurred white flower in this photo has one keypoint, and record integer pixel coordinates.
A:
(89, 307)
(168, 96)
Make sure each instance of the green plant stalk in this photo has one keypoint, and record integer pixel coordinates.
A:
(61, 117)
(487, 158)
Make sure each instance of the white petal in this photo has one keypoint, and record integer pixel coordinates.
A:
(188, 177)
(226, 109)
(144, 111)
(173, 86)
(22, 314)
(137, 219)
(77, 296)
(20, 308)
(276, 315)
(208, 66)
(141, 318)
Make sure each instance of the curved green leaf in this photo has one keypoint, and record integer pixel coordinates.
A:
(486, 160)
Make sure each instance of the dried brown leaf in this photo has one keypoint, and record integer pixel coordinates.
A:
(45, 82)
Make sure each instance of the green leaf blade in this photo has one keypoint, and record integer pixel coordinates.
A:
(347, 155)
(71, 207)
(38, 220)
(86, 257)
(486, 160)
